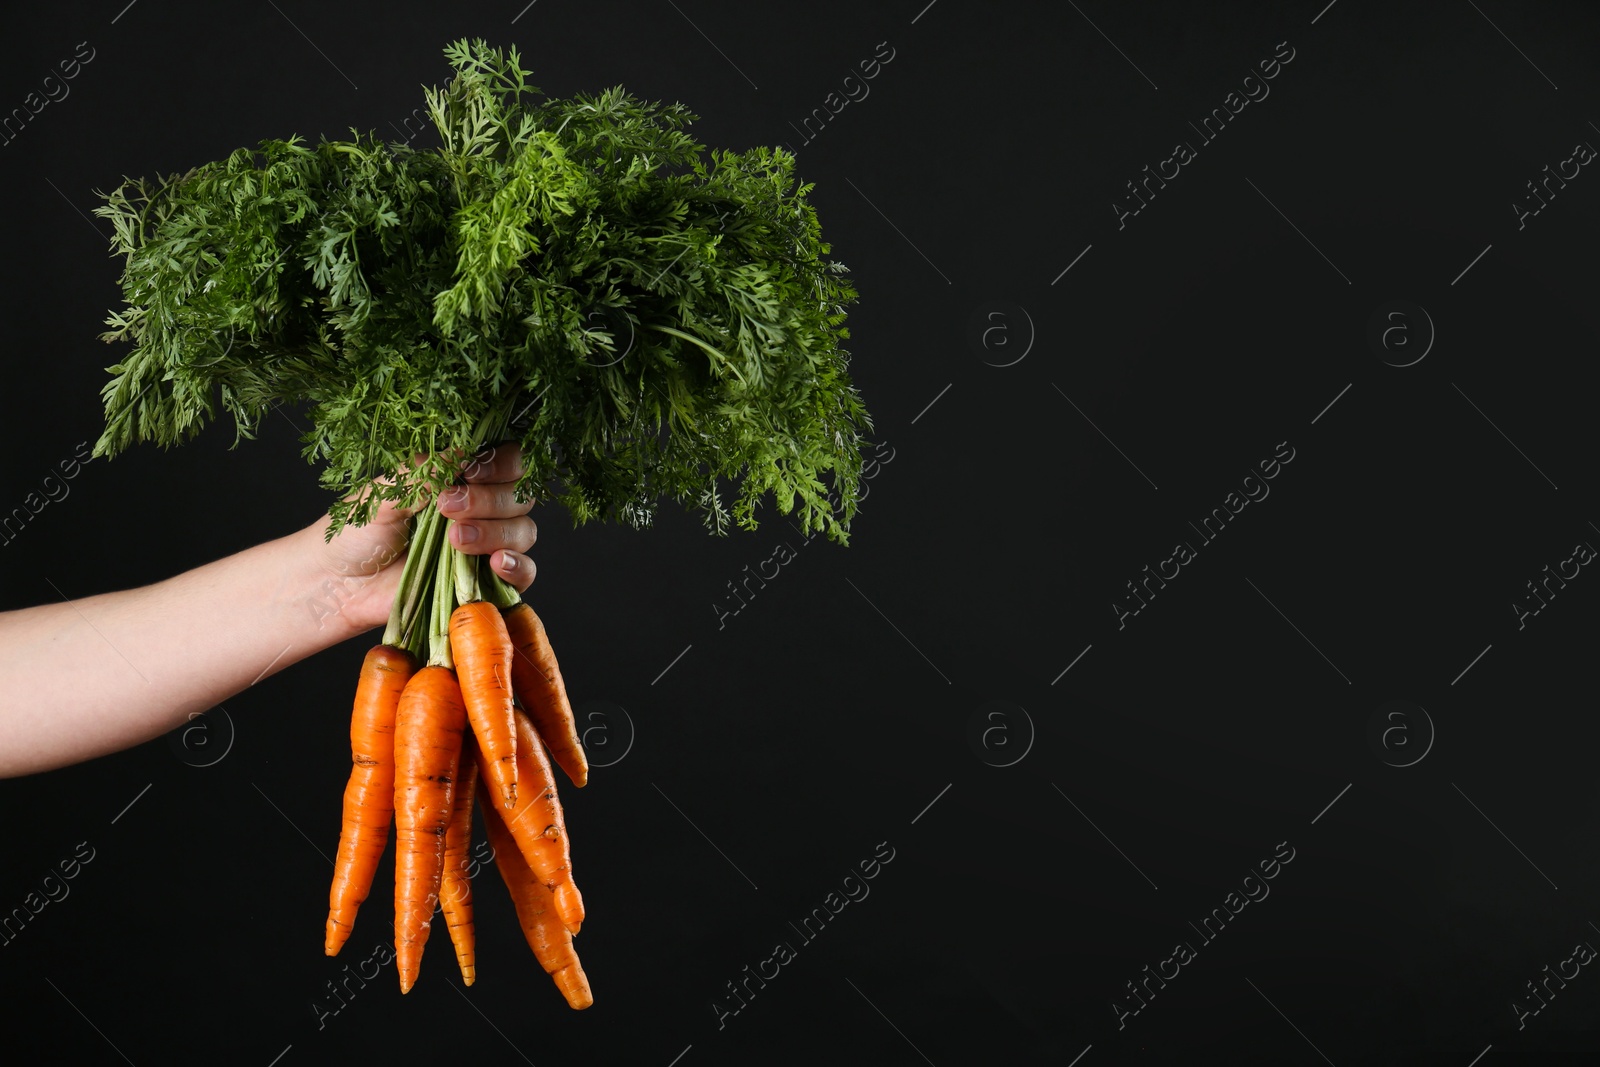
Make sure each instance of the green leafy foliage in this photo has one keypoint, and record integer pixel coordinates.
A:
(647, 318)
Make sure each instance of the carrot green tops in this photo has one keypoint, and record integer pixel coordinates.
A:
(579, 275)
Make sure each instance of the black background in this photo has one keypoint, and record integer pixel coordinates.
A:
(780, 750)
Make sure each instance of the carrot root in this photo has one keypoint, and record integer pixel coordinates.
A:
(537, 824)
(483, 653)
(536, 677)
(455, 890)
(427, 751)
(369, 795)
(541, 926)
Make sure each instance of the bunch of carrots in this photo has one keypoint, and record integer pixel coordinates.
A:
(426, 302)
(462, 696)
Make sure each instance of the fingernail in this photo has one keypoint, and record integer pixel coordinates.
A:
(508, 562)
(466, 533)
(453, 499)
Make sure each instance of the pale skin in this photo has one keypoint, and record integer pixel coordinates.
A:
(83, 678)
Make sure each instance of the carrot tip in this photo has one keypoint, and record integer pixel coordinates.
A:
(574, 986)
(569, 904)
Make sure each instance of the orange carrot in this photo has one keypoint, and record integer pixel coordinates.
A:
(536, 677)
(455, 890)
(369, 795)
(537, 824)
(549, 939)
(427, 749)
(482, 652)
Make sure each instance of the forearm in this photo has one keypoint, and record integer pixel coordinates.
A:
(84, 678)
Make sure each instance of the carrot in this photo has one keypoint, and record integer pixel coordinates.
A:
(536, 678)
(537, 824)
(550, 940)
(427, 750)
(455, 891)
(482, 652)
(369, 795)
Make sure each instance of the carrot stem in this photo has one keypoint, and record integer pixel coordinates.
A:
(444, 603)
(495, 589)
(414, 580)
(466, 578)
(415, 630)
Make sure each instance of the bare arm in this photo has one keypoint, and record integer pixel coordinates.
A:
(83, 678)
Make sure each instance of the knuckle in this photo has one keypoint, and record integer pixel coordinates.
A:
(468, 497)
(481, 468)
(506, 535)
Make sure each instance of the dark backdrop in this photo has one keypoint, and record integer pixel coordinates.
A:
(1335, 688)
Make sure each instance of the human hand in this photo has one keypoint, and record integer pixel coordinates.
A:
(362, 564)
